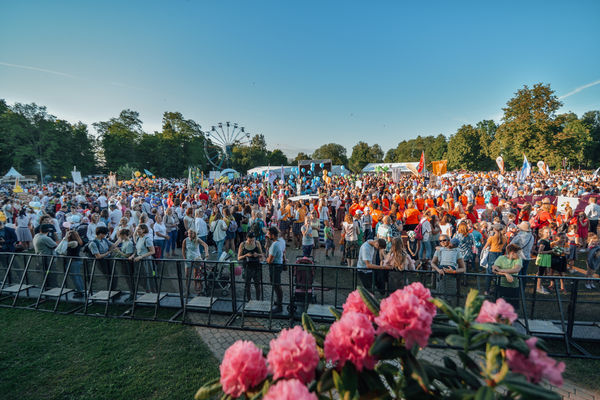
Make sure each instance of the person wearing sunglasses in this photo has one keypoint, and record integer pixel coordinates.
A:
(447, 260)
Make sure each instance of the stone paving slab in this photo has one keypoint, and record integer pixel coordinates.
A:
(218, 340)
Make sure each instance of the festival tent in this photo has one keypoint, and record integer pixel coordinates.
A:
(287, 171)
(402, 167)
(230, 173)
(13, 174)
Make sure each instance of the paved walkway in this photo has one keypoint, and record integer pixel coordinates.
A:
(218, 340)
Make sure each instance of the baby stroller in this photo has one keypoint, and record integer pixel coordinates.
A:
(216, 275)
(303, 288)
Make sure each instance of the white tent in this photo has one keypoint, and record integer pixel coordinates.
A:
(13, 174)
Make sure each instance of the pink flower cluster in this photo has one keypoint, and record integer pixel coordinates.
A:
(291, 389)
(500, 311)
(293, 354)
(407, 313)
(537, 365)
(243, 368)
(355, 303)
(350, 339)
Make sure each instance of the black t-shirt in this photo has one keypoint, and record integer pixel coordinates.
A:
(545, 243)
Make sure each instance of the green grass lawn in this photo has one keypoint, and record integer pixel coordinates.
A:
(47, 356)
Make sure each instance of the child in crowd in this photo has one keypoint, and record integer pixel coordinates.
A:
(329, 243)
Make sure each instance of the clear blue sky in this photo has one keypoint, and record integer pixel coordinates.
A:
(302, 73)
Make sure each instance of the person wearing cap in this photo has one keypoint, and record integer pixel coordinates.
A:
(525, 240)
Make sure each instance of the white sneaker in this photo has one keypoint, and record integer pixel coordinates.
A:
(542, 290)
(590, 286)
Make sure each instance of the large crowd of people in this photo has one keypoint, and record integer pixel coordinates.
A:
(475, 222)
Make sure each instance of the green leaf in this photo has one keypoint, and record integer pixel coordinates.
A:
(485, 393)
(207, 391)
(491, 328)
(469, 378)
(370, 301)
(418, 372)
(520, 385)
(468, 362)
(456, 341)
(519, 345)
(350, 378)
(337, 381)
(336, 313)
(382, 347)
(498, 340)
(449, 363)
(325, 382)
(308, 324)
(442, 329)
(446, 309)
(478, 340)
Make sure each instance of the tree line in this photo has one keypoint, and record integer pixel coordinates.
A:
(530, 125)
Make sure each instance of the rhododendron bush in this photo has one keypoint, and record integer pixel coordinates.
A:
(370, 352)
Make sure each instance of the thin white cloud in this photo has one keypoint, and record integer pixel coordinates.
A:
(579, 89)
(31, 68)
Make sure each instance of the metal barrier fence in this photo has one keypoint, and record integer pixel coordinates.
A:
(272, 297)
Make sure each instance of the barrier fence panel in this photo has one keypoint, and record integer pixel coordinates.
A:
(265, 297)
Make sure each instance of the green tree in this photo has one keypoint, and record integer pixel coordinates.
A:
(253, 155)
(465, 150)
(528, 126)
(119, 138)
(591, 120)
(363, 154)
(335, 152)
(301, 156)
(571, 142)
(276, 157)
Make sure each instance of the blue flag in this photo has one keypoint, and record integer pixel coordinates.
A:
(525, 169)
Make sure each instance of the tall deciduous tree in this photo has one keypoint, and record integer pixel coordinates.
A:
(528, 126)
(119, 138)
(363, 154)
(465, 150)
(335, 152)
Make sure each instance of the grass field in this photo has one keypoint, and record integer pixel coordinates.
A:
(47, 356)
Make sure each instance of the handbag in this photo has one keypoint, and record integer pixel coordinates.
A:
(483, 259)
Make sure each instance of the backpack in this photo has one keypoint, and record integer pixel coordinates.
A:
(419, 232)
(233, 226)
(86, 249)
(82, 232)
(256, 229)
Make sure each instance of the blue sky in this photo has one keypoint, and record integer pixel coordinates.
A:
(301, 73)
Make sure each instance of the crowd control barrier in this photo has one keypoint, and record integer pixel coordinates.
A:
(231, 295)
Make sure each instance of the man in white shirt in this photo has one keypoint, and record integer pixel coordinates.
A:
(201, 226)
(102, 201)
(365, 264)
(592, 212)
(114, 216)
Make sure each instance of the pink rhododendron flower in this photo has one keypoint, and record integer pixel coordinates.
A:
(500, 311)
(293, 354)
(350, 339)
(537, 365)
(407, 313)
(243, 367)
(417, 289)
(355, 303)
(292, 389)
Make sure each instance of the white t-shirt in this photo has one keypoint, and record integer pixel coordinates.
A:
(103, 201)
(159, 228)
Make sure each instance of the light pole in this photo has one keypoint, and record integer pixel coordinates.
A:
(41, 174)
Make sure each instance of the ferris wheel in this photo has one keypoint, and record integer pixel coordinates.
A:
(221, 139)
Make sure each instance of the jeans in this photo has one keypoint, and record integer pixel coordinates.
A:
(492, 257)
(75, 272)
(204, 239)
(425, 248)
(162, 243)
(219, 247)
(172, 242)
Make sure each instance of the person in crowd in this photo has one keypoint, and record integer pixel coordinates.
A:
(124, 248)
(366, 263)
(593, 260)
(144, 251)
(74, 246)
(558, 263)
(349, 236)
(543, 260)
(250, 253)
(329, 239)
(398, 260)
(161, 237)
(592, 212)
(276, 260)
(171, 223)
(447, 260)
(218, 227)
(100, 248)
(465, 244)
(24, 228)
(8, 238)
(308, 242)
(508, 267)
(194, 255)
(496, 243)
(524, 240)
